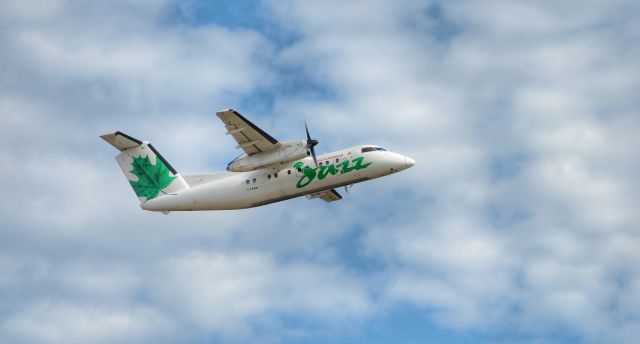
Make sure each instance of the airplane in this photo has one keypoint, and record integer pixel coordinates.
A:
(268, 171)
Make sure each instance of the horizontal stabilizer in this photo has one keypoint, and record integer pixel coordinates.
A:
(121, 141)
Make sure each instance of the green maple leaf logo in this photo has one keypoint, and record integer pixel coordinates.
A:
(151, 178)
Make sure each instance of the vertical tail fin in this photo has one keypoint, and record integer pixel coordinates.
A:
(148, 172)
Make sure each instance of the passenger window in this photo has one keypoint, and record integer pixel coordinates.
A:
(288, 171)
(337, 160)
(268, 177)
(320, 163)
(299, 169)
(247, 181)
(254, 180)
(275, 175)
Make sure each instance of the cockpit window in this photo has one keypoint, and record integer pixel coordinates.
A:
(372, 149)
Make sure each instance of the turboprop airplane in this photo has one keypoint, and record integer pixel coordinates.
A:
(268, 171)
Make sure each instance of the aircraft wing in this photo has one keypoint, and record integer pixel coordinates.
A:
(327, 196)
(248, 136)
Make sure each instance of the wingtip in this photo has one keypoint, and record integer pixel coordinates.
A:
(225, 110)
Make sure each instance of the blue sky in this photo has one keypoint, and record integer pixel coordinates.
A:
(517, 224)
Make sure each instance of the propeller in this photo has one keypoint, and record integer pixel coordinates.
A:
(310, 144)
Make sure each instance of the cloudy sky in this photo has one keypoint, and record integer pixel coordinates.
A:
(519, 222)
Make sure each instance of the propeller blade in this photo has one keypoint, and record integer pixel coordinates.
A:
(310, 144)
(313, 154)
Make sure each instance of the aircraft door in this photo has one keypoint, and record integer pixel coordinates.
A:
(297, 172)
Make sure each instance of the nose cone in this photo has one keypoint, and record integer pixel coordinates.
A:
(408, 162)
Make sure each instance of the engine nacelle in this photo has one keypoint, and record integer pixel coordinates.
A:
(290, 151)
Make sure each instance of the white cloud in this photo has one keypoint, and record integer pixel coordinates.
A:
(63, 322)
(224, 291)
(520, 211)
(540, 88)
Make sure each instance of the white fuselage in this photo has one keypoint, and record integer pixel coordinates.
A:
(238, 190)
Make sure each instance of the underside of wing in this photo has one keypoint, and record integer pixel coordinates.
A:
(249, 137)
(327, 195)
